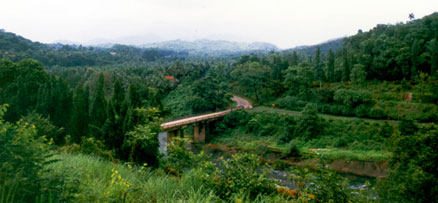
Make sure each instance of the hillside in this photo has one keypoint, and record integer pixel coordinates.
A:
(334, 44)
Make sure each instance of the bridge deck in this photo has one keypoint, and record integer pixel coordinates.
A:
(194, 119)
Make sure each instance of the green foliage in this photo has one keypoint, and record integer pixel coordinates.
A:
(93, 147)
(414, 167)
(22, 82)
(242, 174)
(98, 109)
(346, 66)
(207, 96)
(394, 52)
(253, 77)
(44, 127)
(80, 118)
(308, 125)
(407, 127)
(331, 66)
(93, 179)
(299, 79)
(292, 150)
(358, 74)
(352, 98)
(143, 140)
(179, 157)
(23, 158)
(326, 186)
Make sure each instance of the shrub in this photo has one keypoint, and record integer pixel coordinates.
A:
(179, 157)
(414, 166)
(23, 156)
(292, 150)
(232, 120)
(243, 174)
(352, 98)
(309, 124)
(290, 102)
(377, 112)
(44, 127)
(94, 147)
(361, 110)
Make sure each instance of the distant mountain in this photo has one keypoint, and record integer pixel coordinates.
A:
(15, 48)
(212, 47)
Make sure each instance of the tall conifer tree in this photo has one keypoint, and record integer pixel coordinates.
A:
(331, 66)
(98, 111)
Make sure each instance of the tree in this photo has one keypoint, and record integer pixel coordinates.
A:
(414, 166)
(331, 66)
(432, 46)
(411, 16)
(55, 102)
(133, 102)
(299, 79)
(346, 65)
(294, 61)
(318, 66)
(98, 111)
(207, 95)
(143, 139)
(309, 124)
(358, 74)
(80, 118)
(253, 77)
(114, 133)
(415, 54)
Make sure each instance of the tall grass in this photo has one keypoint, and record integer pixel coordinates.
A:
(91, 179)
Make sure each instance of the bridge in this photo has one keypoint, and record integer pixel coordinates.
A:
(201, 123)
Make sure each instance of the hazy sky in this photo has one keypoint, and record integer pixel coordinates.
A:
(285, 23)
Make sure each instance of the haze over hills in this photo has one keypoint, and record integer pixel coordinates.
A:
(212, 46)
(208, 46)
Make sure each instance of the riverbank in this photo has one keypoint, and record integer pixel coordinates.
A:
(366, 168)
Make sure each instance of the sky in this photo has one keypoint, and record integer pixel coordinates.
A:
(285, 23)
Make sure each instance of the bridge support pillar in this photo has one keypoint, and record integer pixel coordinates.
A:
(170, 135)
(202, 136)
(199, 134)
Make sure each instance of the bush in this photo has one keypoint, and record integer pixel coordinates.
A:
(242, 174)
(94, 147)
(179, 157)
(414, 166)
(232, 120)
(44, 127)
(352, 98)
(377, 112)
(309, 124)
(292, 150)
(23, 156)
(290, 102)
(361, 110)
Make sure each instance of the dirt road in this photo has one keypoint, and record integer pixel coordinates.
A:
(242, 102)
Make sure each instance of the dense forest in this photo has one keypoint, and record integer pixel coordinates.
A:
(80, 124)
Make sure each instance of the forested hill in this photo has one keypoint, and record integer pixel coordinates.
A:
(324, 47)
(16, 48)
(394, 52)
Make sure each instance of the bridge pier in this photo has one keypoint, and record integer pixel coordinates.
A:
(174, 133)
(199, 132)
